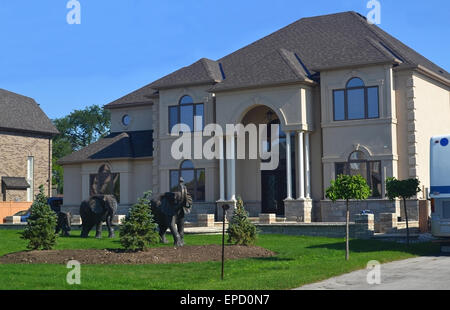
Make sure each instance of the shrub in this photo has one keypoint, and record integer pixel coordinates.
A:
(40, 229)
(138, 230)
(241, 231)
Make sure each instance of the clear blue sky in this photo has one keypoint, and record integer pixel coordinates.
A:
(122, 45)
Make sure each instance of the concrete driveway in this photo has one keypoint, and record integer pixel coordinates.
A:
(422, 273)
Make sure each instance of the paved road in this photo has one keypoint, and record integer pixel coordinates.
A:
(422, 273)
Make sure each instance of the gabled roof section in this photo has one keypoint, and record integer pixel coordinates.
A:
(204, 71)
(325, 43)
(23, 114)
(125, 145)
(279, 67)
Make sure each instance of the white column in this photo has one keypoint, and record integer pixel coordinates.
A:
(231, 167)
(301, 165)
(307, 167)
(221, 169)
(288, 166)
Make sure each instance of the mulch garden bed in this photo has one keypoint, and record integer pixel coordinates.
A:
(163, 255)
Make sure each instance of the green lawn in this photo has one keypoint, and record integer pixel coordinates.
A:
(300, 260)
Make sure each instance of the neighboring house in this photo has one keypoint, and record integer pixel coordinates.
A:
(25, 148)
(349, 98)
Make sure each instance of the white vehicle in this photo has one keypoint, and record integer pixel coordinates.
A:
(440, 186)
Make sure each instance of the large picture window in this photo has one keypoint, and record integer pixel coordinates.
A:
(356, 101)
(370, 170)
(185, 113)
(193, 178)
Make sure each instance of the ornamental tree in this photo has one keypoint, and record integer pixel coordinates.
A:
(348, 187)
(405, 189)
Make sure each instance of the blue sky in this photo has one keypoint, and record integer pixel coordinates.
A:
(122, 45)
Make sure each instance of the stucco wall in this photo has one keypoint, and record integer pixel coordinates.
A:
(376, 138)
(135, 179)
(432, 105)
(140, 119)
(14, 152)
(423, 108)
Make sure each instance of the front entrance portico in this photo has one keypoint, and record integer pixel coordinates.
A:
(286, 190)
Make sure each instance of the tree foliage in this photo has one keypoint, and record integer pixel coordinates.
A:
(404, 189)
(40, 229)
(138, 230)
(348, 187)
(241, 231)
(77, 130)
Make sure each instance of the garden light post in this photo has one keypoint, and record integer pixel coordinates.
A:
(225, 208)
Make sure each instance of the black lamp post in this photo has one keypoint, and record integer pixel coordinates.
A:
(225, 208)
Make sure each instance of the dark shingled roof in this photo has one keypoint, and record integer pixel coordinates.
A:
(297, 53)
(204, 71)
(140, 96)
(20, 113)
(15, 183)
(135, 144)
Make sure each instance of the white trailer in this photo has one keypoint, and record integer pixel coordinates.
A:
(440, 185)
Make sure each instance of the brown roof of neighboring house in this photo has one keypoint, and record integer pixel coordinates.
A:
(23, 114)
(296, 53)
(135, 144)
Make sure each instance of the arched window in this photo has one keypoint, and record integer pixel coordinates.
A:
(356, 101)
(355, 82)
(357, 164)
(193, 178)
(187, 112)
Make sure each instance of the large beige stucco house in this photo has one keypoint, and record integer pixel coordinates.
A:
(349, 98)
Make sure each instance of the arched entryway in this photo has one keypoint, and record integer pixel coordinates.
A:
(265, 191)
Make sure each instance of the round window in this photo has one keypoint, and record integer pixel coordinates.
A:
(126, 119)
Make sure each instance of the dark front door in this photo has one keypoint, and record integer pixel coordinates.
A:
(273, 191)
(274, 182)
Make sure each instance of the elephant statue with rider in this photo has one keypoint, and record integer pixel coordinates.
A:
(102, 204)
(169, 213)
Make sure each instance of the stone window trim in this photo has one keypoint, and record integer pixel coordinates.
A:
(186, 101)
(356, 87)
(361, 159)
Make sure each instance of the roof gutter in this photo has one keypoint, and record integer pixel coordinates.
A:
(287, 83)
(128, 105)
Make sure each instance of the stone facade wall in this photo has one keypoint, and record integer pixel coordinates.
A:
(363, 228)
(335, 211)
(14, 152)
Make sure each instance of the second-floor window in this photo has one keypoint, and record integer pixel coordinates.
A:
(187, 112)
(356, 101)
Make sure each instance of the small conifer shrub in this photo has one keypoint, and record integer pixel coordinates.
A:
(40, 229)
(138, 231)
(241, 231)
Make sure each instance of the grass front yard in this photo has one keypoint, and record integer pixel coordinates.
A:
(299, 261)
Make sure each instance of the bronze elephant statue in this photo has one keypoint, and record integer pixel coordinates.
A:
(99, 209)
(169, 212)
